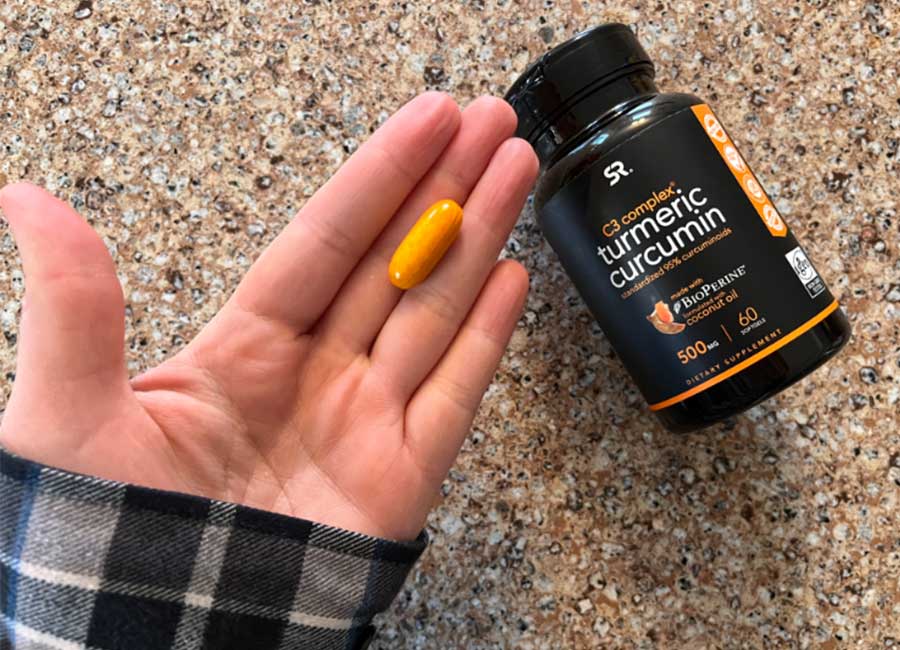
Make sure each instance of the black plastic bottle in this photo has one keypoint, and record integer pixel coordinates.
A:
(698, 283)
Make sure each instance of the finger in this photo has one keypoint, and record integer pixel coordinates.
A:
(367, 298)
(297, 276)
(72, 328)
(427, 317)
(440, 413)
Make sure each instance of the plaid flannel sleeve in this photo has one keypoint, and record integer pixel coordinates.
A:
(100, 565)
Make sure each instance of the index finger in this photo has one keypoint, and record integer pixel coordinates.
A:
(297, 276)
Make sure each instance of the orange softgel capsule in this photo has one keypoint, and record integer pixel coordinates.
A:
(425, 244)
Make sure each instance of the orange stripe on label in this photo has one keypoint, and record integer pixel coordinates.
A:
(741, 170)
(749, 361)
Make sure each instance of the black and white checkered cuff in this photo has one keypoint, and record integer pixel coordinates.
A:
(97, 564)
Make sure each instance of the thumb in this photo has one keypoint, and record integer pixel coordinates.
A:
(71, 357)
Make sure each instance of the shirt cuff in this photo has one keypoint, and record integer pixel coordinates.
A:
(87, 562)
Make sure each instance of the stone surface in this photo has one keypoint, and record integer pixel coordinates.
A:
(189, 132)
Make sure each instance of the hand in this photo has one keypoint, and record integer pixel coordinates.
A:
(319, 390)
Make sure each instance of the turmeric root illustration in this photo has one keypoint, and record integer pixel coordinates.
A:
(662, 319)
(662, 312)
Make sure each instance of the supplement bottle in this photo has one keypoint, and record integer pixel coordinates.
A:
(697, 281)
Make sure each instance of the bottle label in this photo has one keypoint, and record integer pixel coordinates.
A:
(683, 259)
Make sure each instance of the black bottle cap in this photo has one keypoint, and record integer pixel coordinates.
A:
(571, 71)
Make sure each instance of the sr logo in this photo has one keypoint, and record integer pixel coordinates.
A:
(615, 171)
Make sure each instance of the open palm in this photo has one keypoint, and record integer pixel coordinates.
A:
(319, 390)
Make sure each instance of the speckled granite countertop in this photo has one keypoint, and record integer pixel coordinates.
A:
(189, 132)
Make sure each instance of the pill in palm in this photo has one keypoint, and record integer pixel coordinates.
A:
(425, 244)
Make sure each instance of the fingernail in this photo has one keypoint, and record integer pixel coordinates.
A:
(425, 244)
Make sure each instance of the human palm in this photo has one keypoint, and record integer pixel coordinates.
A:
(319, 390)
